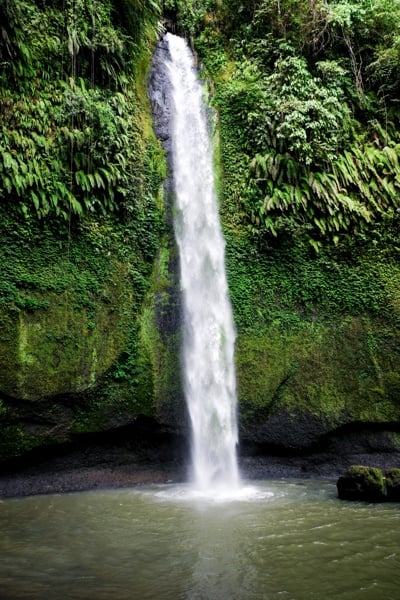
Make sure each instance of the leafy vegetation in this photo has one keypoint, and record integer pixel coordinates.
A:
(70, 130)
(308, 97)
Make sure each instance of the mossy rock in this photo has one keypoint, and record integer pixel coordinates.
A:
(63, 348)
(362, 483)
(315, 377)
(392, 477)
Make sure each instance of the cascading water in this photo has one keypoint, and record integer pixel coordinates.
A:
(209, 334)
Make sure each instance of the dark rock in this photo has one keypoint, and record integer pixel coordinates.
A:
(392, 477)
(292, 431)
(160, 94)
(141, 453)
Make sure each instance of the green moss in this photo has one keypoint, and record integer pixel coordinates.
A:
(141, 379)
(393, 477)
(126, 391)
(326, 370)
(69, 308)
(264, 369)
(69, 319)
(161, 337)
(14, 441)
(371, 474)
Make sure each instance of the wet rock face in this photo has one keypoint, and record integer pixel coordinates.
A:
(167, 315)
(297, 431)
(160, 95)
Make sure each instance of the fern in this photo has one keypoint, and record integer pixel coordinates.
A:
(362, 185)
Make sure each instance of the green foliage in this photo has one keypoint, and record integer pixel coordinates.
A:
(189, 15)
(307, 96)
(317, 178)
(137, 18)
(70, 154)
(287, 286)
(99, 40)
(80, 174)
(71, 140)
(289, 111)
(360, 186)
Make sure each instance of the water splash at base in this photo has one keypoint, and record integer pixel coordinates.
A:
(189, 494)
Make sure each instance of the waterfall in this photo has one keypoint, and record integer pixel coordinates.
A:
(209, 334)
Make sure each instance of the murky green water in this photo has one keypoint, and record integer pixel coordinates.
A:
(281, 540)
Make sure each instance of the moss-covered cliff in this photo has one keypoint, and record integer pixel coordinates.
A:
(307, 151)
(81, 218)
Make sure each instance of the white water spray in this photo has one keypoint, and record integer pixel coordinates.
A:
(209, 334)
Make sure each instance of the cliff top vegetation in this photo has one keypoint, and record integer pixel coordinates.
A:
(308, 96)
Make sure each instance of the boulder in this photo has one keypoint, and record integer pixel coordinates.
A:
(362, 483)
